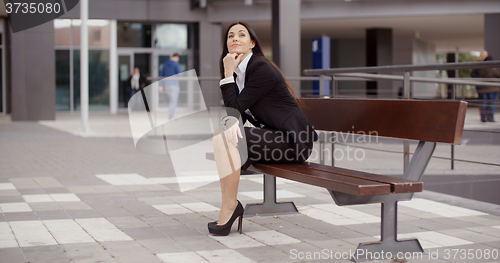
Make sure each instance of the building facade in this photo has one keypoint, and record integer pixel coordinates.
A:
(40, 66)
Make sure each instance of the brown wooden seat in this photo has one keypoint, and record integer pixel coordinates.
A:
(339, 179)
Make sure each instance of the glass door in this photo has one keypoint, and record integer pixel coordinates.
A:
(124, 71)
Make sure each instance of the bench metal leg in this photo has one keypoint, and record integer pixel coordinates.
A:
(269, 206)
(389, 242)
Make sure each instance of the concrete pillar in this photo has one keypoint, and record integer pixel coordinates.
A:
(113, 68)
(491, 36)
(289, 39)
(32, 74)
(210, 48)
(378, 53)
(84, 66)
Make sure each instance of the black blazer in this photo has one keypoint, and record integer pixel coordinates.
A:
(270, 102)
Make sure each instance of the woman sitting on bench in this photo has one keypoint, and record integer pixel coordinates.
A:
(257, 89)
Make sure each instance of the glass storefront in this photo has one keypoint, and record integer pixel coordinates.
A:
(2, 91)
(143, 45)
(67, 41)
(62, 81)
(98, 79)
(133, 35)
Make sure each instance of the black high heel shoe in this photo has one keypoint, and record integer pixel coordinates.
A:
(223, 230)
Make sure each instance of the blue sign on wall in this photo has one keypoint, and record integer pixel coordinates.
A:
(321, 60)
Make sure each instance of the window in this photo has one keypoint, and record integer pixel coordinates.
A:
(171, 36)
(133, 35)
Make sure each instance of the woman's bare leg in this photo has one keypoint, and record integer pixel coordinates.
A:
(227, 160)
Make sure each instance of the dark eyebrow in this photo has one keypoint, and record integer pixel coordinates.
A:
(238, 31)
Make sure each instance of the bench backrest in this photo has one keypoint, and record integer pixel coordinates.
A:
(436, 120)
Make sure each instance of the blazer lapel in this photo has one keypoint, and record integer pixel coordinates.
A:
(249, 65)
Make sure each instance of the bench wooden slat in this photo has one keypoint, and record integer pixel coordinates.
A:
(435, 121)
(398, 185)
(332, 181)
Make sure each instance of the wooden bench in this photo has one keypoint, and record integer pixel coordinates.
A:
(428, 122)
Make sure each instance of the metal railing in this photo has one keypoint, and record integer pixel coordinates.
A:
(361, 72)
(366, 73)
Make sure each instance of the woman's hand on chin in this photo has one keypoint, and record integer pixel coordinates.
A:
(231, 61)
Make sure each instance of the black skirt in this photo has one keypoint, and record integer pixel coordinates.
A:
(272, 146)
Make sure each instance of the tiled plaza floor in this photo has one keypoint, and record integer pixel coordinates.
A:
(64, 198)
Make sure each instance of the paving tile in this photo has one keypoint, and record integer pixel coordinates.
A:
(61, 190)
(102, 230)
(74, 206)
(440, 209)
(87, 253)
(46, 206)
(22, 216)
(235, 240)
(106, 189)
(130, 251)
(162, 245)
(223, 256)
(68, 197)
(24, 183)
(11, 199)
(335, 245)
(265, 254)
(493, 231)
(200, 207)
(7, 238)
(164, 180)
(181, 257)
(172, 209)
(12, 254)
(158, 220)
(6, 193)
(127, 222)
(32, 191)
(180, 230)
(40, 198)
(202, 241)
(469, 235)
(480, 220)
(336, 218)
(272, 237)
(52, 254)
(51, 215)
(143, 233)
(31, 233)
(67, 231)
(15, 207)
(125, 179)
(82, 189)
(292, 252)
(47, 182)
(279, 194)
(7, 186)
(435, 239)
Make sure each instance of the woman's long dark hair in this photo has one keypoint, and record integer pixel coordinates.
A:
(257, 51)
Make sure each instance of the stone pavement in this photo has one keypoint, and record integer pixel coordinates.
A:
(71, 198)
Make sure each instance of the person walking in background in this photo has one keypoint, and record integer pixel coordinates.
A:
(490, 94)
(171, 67)
(136, 81)
(480, 94)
